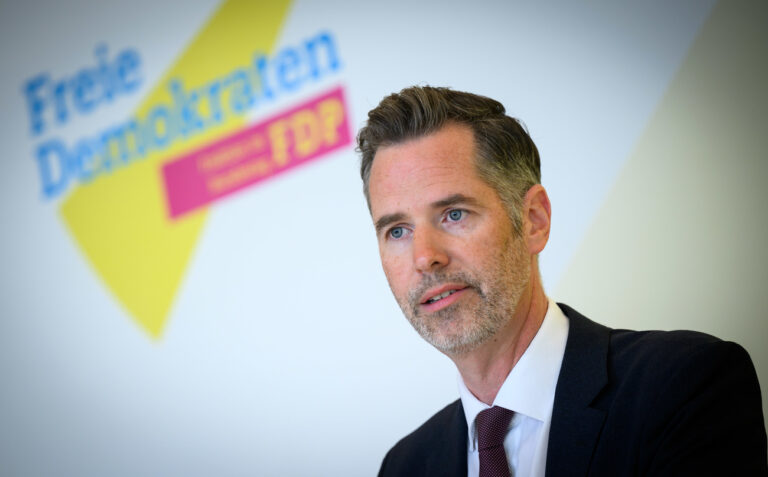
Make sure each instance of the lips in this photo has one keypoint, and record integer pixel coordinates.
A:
(441, 296)
(435, 295)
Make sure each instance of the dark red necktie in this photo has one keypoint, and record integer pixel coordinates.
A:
(492, 425)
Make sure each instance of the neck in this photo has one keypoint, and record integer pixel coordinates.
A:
(485, 368)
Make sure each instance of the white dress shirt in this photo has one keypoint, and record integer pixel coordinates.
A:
(529, 390)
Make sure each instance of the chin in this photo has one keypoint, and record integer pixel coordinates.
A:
(454, 344)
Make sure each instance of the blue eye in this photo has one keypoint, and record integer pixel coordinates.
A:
(455, 215)
(396, 233)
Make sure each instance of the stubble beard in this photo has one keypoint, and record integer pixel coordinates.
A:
(463, 326)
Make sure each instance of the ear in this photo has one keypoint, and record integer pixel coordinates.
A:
(537, 213)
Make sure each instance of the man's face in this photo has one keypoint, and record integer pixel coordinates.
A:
(447, 245)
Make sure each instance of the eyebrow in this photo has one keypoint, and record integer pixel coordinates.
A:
(388, 219)
(454, 199)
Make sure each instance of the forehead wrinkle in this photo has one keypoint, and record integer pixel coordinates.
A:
(455, 199)
(388, 182)
(445, 175)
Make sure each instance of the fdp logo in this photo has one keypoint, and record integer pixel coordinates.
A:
(135, 194)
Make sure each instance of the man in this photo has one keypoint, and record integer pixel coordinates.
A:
(453, 187)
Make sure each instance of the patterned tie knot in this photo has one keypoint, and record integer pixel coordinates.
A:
(492, 425)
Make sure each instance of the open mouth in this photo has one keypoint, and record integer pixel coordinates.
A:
(441, 296)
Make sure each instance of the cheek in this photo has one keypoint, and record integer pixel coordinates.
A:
(396, 272)
(485, 253)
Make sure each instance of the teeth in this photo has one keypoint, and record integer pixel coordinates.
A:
(441, 296)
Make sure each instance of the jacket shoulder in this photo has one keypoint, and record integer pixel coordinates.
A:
(681, 399)
(657, 354)
(635, 355)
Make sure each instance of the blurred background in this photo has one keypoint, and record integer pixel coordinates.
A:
(254, 333)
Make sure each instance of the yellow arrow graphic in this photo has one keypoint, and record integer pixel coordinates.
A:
(120, 221)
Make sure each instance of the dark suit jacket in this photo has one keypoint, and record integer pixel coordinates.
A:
(627, 403)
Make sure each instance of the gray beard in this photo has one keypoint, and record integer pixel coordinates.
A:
(495, 306)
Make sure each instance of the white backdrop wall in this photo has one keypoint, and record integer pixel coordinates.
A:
(136, 343)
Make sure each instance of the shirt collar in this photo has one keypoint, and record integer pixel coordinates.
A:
(529, 388)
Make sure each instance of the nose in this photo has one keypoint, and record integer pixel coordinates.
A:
(429, 253)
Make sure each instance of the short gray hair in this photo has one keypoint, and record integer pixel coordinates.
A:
(507, 158)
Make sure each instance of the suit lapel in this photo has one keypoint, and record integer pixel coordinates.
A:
(575, 425)
(450, 457)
